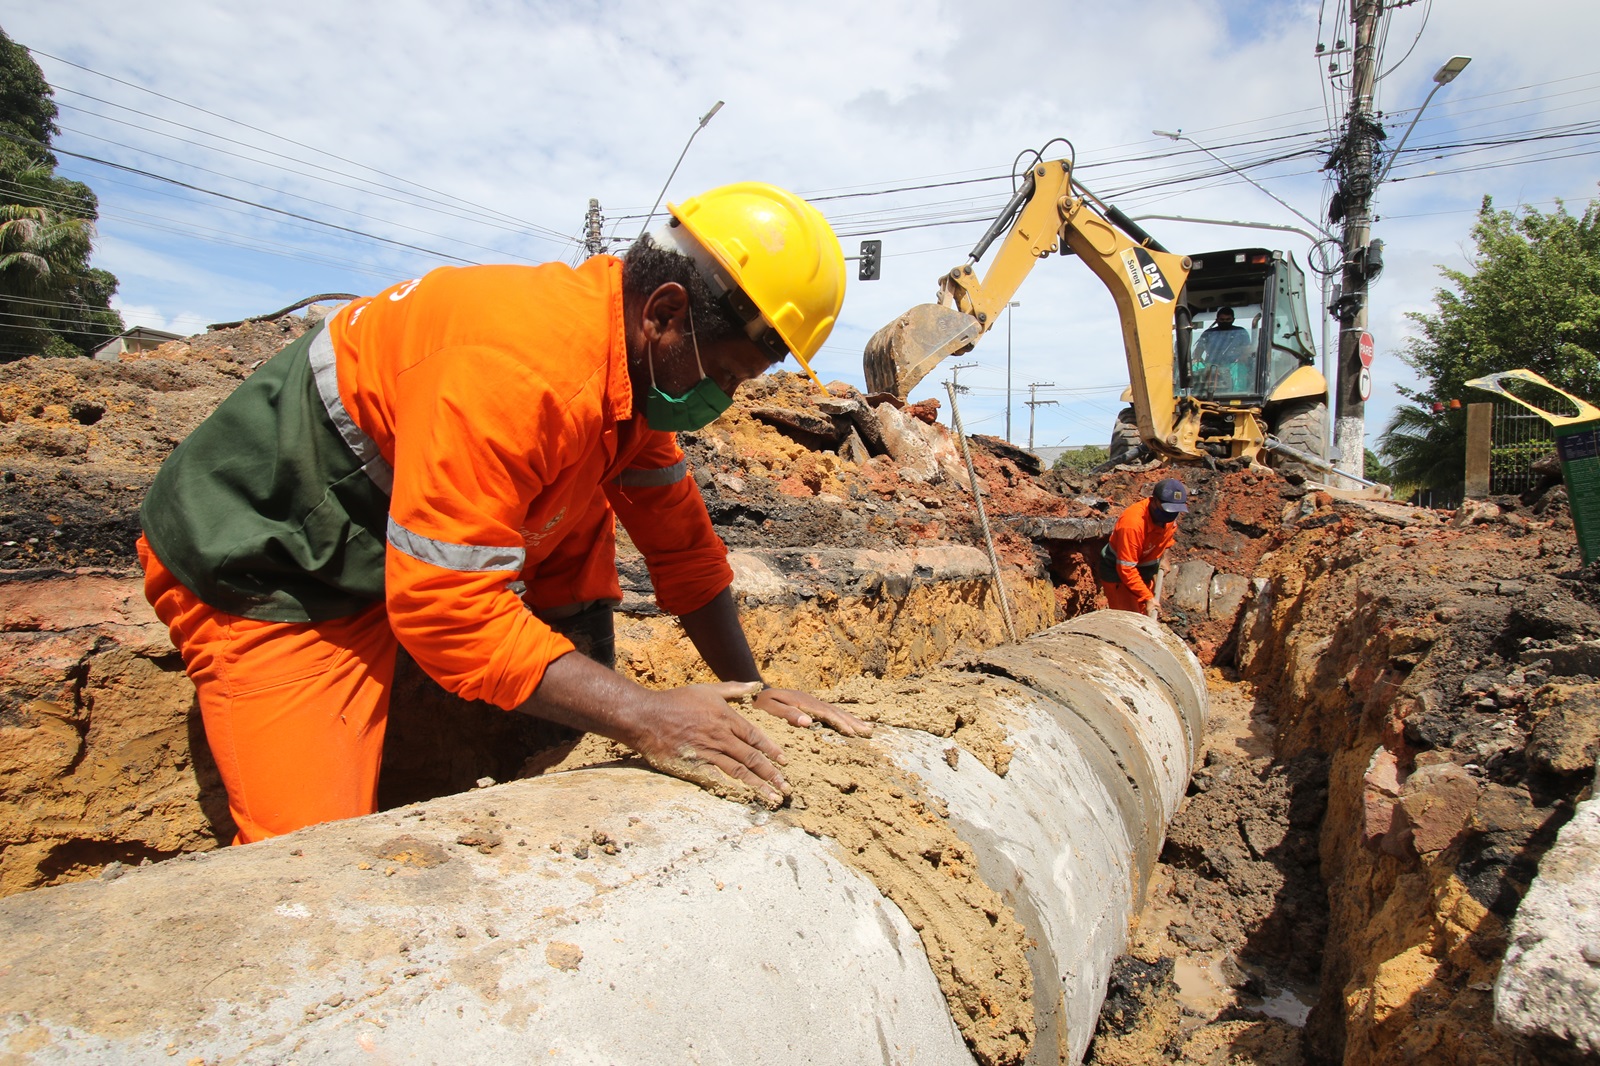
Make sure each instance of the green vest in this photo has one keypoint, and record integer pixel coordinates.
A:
(264, 510)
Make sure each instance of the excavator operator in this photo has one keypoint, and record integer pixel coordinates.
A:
(1221, 356)
(439, 467)
(1132, 558)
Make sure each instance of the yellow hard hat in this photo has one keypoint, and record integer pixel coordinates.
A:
(780, 255)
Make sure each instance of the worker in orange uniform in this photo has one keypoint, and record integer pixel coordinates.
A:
(1142, 535)
(439, 467)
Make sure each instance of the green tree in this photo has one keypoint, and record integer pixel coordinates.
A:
(1425, 450)
(51, 300)
(1531, 299)
(1374, 468)
(1081, 459)
(26, 109)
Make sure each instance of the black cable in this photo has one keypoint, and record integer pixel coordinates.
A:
(1499, 166)
(296, 196)
(485, 212)
(479, 219)
(257, 129)
(1426, 11)
(197, 232)
(241, 200)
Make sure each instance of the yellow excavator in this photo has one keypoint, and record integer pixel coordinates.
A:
(1220, 358)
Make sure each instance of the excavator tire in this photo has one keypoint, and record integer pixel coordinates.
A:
(1125, 442)
(1304, 427)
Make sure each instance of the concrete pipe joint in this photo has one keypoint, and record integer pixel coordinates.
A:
(613, 915)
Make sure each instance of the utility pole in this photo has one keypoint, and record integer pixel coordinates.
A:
(955, 372)
(593, 222)
(1357, 166)
(1034, 404)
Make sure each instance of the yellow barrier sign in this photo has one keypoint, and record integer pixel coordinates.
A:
(1578, 445)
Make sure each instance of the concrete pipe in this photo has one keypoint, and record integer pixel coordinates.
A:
(615, 915)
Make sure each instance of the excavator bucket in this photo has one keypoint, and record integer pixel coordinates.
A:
(902, 353)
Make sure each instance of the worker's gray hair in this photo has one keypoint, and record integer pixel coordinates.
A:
(646, 266)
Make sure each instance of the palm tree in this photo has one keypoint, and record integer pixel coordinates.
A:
(1425, 449)
(43, 255)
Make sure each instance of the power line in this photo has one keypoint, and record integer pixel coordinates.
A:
(478, 219)
(241, 200)
(486, 212)
(248, 126)
(227, 238)
(295, 196)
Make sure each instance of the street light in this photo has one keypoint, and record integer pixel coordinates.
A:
(703, 120)
(1010, 305)
(1441, 77)
(1179, 136)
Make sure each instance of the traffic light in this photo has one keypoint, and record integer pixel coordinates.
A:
(871, 260)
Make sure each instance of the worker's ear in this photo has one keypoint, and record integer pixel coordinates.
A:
(665, 313)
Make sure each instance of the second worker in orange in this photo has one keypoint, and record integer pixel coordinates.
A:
(1132, 559)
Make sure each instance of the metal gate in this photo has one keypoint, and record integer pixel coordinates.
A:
(1517, 437)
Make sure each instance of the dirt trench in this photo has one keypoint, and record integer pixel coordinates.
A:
(1404, 700)
(1402, 721)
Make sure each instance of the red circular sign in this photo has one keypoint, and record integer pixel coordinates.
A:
(1366, 348)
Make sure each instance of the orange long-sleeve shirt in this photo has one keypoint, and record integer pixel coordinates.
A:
(1138, 539)
(431, 447)
(501, 397)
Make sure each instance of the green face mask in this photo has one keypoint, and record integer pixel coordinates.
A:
(695, 409)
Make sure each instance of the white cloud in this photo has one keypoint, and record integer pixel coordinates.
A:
(184, 323)
(525, 110)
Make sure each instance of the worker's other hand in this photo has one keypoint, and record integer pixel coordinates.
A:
(687, 731)
(800, 709)
(1152, 611)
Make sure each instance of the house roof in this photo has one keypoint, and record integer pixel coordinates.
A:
(137, 333)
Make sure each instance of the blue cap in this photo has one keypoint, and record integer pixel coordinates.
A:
(1170, 496)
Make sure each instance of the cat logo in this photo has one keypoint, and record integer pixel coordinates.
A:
(1149, 285)
(532, 539)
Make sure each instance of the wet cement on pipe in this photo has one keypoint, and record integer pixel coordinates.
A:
(892, 829)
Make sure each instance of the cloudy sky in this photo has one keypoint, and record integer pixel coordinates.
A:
(248, 155)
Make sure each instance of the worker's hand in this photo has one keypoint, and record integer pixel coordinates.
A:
(1152, 611)
(800, 709)
(687, 731)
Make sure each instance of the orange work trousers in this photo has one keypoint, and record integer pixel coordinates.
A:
(1120, 597)
(294, 712)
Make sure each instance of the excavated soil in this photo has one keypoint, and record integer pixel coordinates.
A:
(80, 440)
(1404, 701)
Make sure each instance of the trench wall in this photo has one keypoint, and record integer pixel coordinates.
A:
(103, 759)
(1401, 657)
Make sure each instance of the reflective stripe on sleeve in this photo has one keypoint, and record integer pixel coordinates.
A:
(325, 369)
(1125, 562)
(445, 555)
(639, 477)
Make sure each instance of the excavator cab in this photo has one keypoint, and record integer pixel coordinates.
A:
(1243, 357)
(1248, 327)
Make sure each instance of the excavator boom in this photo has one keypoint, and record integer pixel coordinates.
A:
(1144, 279)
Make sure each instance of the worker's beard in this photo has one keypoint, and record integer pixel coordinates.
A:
(646, 363)
(695, 409)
